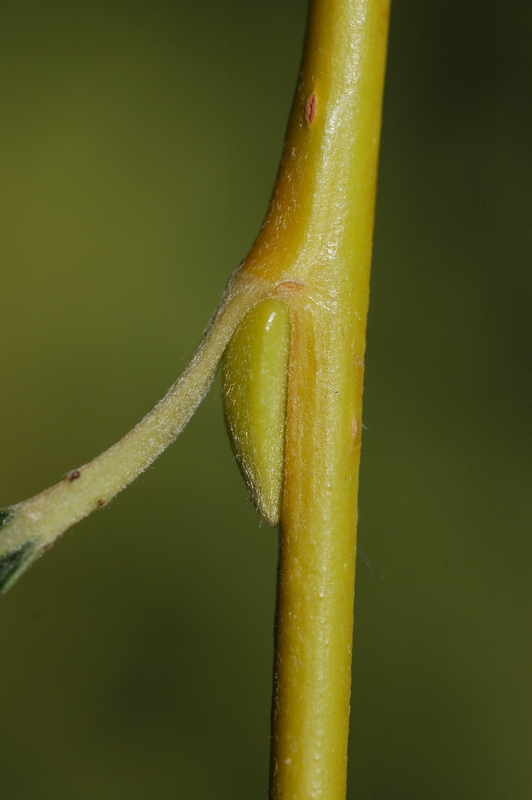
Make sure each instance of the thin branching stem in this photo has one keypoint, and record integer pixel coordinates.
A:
(313, 255)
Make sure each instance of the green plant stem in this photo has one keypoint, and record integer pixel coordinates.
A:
(37, 522)
(313, 254)
(327, 181)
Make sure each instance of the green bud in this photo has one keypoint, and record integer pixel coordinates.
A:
(254, 386)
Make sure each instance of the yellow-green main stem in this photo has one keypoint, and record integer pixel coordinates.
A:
(313, 254)
(315, 251)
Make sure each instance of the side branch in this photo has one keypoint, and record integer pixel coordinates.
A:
(29, 528)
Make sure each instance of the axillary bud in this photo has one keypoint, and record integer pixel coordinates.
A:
(254, 386)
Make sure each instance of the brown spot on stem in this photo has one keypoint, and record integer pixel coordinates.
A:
(311, 109)
(290, 286)
(73, 476)
(101, 503)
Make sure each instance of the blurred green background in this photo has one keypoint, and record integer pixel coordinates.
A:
(138, 146)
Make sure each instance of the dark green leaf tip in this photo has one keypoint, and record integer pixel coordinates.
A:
(13, 564)
(5, 515)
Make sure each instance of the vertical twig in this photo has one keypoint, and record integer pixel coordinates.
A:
(326, 188)
(313, 254)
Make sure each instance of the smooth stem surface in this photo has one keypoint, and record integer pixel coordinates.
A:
(313, 254)
(315, 248)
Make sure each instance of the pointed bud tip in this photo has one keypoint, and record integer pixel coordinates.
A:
(254, 387)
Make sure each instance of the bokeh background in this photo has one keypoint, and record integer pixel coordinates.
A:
(138, 146)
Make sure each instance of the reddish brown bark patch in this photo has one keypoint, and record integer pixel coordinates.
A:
(311, 109)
